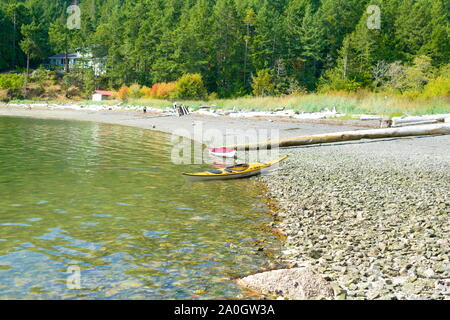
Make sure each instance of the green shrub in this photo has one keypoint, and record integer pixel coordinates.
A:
(42, 74)
(420, 73)
(439, 87)
(409, 79)
(263, 84)
(134, 91)
(295, 89)
(341, 85)
(71, 79)
(213, 96)
(411, 94)
(11, 81)
(15, 94)
(445, 71)
(334, 80)
(190, 86)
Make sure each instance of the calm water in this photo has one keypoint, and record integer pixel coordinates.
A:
(108, 200)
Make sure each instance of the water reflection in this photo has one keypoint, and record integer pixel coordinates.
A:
(108, 199)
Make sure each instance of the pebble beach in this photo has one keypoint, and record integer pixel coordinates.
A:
(371, 217)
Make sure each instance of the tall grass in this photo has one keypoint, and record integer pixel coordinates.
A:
(343, 102)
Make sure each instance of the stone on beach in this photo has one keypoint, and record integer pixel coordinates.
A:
(294, 284)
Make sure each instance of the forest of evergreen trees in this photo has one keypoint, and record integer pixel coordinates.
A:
(306, 44)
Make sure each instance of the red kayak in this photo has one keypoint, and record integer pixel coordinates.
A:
(223, 152)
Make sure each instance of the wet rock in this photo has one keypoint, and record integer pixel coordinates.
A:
(294, 284)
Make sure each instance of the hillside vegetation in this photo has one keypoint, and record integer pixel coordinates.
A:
(302, 53)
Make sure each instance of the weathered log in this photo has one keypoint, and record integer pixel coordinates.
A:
(437, 117)
(415, 123)
(349, 136)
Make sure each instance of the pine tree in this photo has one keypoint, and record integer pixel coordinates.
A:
(250, 21)
(437, 45)
(12, 16)
(227, 37)
(31, 44)
(304, 41)
(412, 27)
(7, 43)
(338, 18)
(268, 43)
(61, 39)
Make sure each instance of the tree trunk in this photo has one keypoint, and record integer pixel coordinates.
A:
(245, 55)
(28, 65)
(345, 65)
(345, 58)
(422, 130)
(66, 60)
(25, 83)
(245, 63)
(14, 40)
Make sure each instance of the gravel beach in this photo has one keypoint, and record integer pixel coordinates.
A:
(372, 217)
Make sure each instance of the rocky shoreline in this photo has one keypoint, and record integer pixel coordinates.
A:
(371, 217)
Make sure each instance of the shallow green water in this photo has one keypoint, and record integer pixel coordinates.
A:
(108, 200)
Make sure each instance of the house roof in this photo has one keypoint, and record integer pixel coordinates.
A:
(70, 55)
(104, 92)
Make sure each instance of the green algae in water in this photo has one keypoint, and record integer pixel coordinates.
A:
(108, 200)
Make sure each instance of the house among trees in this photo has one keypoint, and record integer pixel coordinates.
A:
(77, 60)
(59, 60)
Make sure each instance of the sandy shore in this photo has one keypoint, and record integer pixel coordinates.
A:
(371, 216)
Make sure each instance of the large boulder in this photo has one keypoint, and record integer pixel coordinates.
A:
(293, 284)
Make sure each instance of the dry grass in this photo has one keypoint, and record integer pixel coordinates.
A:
(344, 102)
(3, 95)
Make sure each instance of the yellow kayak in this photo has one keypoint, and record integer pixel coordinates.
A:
(233, 172)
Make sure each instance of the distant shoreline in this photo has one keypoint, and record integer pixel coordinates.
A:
(158, 121)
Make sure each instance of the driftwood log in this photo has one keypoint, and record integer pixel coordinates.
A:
(422, 130)
(436, 117)
(182, 110)
(415, 123)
